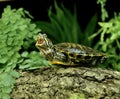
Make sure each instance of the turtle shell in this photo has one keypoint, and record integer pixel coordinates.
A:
(75, 54)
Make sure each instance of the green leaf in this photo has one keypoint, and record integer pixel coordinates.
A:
(62, 23)
(104, 14)
(3, 60)
(6, 80)
(4, 96)
(25, 54)
(14, 74)
(90, 28)
(6, 90)
(33, 61)
(109, 40)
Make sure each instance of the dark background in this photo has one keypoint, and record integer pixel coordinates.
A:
(85, 8)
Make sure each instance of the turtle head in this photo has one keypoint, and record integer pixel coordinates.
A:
(45, 46)
(43, 42)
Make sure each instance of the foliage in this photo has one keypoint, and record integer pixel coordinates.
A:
(110, 40)
(77, 96)
(104, 13)
(109, 37)
(30, 61)
(7, 81)
(15, 31)
(64, 26)
(18, 36)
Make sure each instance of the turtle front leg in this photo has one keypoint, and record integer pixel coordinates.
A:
(62, 63)
(57, 63)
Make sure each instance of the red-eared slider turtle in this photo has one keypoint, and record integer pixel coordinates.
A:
(69, 54)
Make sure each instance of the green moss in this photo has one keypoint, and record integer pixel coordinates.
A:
(77, 96)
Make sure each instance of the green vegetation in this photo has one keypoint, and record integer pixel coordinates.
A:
(17, 35)
(77, 96)
(109, 38)
(18, 38)
(110, 41)
(104, 13)
(65, 25)
(32, 60)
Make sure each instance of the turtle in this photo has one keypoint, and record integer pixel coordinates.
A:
(68, 54)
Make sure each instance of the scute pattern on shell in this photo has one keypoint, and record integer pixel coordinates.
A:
(80, 54)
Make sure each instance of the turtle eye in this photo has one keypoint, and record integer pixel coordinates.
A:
(40, 41)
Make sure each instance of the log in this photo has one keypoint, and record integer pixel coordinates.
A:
(67, 83)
